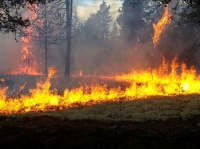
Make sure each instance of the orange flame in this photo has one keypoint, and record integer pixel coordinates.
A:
(170, 79)
(142, 84)
(22, 87)
(160, 26)
(28, 64)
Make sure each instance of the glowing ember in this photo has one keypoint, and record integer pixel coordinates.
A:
(142, 84)
(160, 26)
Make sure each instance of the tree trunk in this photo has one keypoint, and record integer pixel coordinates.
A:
(46, 67)
(69, 5)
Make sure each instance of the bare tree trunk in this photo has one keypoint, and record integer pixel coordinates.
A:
(46, 67)
(69, 5)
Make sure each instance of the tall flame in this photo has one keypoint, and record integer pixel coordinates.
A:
(28, 63)
(170, 79)
(142, 84)
(160, 26)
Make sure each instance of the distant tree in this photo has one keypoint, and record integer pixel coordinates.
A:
(114, 33)
(93, 38)
(67, 7)
(104, 20)
(131, 19)
(97, 26)
(77, 27)
(48, 29)
(114, 39)
(91, 29)
(76, 23)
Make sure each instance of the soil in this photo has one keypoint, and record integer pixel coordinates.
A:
(52, 132)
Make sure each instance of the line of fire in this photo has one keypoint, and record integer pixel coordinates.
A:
(72, 56)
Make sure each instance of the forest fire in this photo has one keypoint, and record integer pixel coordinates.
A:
(165, 82)
(168, 80)
(160, 26)
(28, 64)
(99, 74)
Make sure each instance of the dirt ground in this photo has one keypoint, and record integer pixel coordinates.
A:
(50, 132)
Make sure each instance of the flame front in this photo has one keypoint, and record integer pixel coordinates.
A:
(142, 84)
(160, 26)
(169, 80)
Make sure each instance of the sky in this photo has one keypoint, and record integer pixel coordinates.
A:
(85, 7)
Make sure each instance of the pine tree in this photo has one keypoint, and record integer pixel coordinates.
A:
(104, 21)
(114, 33)
(97, 26)
(46, 31)
(131, 19)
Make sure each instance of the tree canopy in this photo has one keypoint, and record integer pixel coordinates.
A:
(191, 2)
(191, 11)
(10, 16)
(97, 25)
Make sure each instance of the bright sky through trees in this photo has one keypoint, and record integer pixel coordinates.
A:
(85, 7)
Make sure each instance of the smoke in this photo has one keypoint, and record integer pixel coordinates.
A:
(134, 48)
(113, 56)
(9, 53)
(130, 48)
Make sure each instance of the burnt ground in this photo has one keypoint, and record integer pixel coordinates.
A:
(60, 83)
(50, 132)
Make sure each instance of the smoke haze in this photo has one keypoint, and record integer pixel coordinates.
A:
(131, 48)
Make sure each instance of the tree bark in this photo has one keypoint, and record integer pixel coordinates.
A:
(46, 54)
(69, 5)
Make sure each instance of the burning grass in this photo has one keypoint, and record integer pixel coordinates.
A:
(166, 81)
(164, 121)
(152, 107)
(160, 108)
